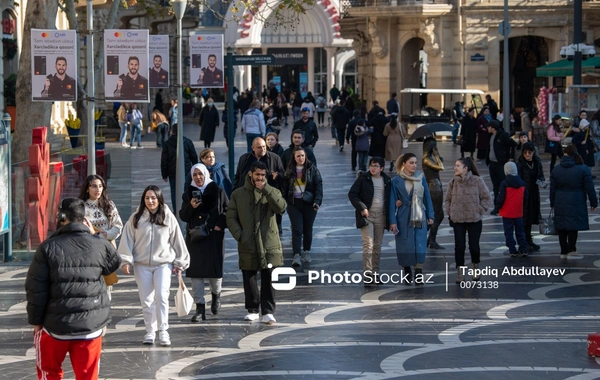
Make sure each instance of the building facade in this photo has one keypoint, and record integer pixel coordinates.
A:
(455, 44)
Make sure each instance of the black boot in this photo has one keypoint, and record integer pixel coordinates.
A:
(408, 273)
(215, 305)
(200, 313)
(419, 276)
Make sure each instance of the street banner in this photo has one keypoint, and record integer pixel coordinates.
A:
(159, 61)
(126, 65)
(303, 84)
(4, 177)
(206, 68)
(53, 65)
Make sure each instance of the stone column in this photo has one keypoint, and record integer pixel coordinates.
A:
(311, 69)
(331, 67)
(246, 81)
(238, 77)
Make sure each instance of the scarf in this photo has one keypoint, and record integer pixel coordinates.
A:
(206, 174)
(417, 217)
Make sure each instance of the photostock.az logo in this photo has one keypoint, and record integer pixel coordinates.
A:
(282, 271)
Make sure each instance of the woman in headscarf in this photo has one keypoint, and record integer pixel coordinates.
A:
(205, 203)
(410, 212)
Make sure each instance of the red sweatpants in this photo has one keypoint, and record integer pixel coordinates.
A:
(50, 354)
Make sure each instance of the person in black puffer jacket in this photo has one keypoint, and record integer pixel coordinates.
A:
(66, 294)
(303, 191)
(531, 172)
(571, 185)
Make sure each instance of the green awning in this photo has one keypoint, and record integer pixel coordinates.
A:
(564, 68)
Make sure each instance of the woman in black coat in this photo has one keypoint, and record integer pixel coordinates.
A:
(303, 191)
(571, 185)
(377, 147)
(468, 133)
(205, 203)
(209, 122)
(532, 173)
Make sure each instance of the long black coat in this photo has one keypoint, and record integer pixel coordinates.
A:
(377, 147)
(570, 187)
(209, 121)
(468, 132)
(531, 206)
(206, 256)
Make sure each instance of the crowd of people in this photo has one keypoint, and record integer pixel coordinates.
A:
(273, 179)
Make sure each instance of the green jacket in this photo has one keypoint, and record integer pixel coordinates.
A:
(251, 221)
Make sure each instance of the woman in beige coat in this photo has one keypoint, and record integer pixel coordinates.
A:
(395, 133)
(467, 200)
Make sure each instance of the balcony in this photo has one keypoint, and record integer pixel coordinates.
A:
(377, 3)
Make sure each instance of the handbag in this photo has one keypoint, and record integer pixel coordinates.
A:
(547, 225)
(198, 233)
(551, 147)
(111, 279)
(307, 196)
(183, 299)
(404, 140)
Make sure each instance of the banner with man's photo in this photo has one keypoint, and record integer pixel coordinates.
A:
(159, 61)
(126, 65)
(51, 47)
(206, 66)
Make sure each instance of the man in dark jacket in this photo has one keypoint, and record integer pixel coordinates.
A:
(311, 133)
(500, 152)
(340, 119)
(67, 300)
(168, 162)
(251, 221)
(297, 140)
(369, 195)
(374, 111)
(259, 152)
(393, 106)
(351, 136)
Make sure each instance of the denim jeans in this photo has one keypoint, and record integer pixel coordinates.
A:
(136, 134)
(516, 225)
(363, 159)
(123, 137)
(161, 134)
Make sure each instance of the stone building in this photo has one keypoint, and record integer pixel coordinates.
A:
(456, 44)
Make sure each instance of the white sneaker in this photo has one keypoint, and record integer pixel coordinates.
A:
(306, 257)
(133, 147)
(268, 319)
(296, 260)
(574, 255)
(149, 338)
(140, 147)
(251, 317)
(164, 338)
(125, 145)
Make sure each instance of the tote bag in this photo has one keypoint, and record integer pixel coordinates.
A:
(404, 141)
(547, 225)
(183, 299)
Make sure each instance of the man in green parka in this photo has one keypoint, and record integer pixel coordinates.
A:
(251, 220)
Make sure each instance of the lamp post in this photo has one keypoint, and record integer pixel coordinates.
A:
(576, 41)
(90, 90)
(179, 10)
(506, 84)
(6, 119)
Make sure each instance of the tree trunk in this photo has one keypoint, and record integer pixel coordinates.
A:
(40, 14)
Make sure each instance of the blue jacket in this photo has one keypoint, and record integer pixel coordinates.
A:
(570, 187)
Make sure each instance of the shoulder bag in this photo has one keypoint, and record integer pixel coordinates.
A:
(404, 140)
(547, 225)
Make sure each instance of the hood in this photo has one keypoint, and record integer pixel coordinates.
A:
(514, 181)
(567, 162)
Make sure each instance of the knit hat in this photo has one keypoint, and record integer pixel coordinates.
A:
(510, 168)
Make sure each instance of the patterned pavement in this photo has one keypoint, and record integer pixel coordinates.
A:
(528, 320)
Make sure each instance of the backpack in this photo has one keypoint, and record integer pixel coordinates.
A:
(322, 104)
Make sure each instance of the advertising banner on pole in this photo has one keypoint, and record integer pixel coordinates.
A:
(159, 61)
(206, 68)
(303, 84)
(53, 65)
(125, 65)
(4, 177)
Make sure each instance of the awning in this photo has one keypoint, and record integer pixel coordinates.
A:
(564, 68)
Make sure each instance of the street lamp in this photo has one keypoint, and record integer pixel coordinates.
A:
(179, 10)
(91, 150)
